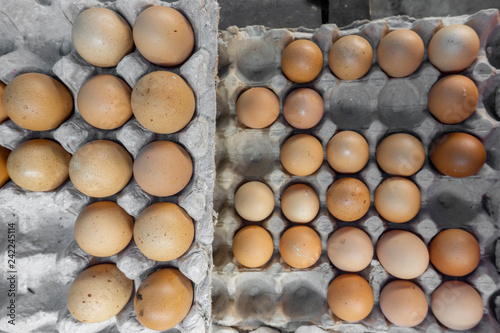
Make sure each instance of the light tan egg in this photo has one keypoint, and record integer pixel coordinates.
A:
(163, 36)
(397, 199)
(163, 102)
(301, 154)
(4, 174)
(99, 293)
(163, 168)
(100, 168)
(350, 57)
(350, 249)
(37, 102)
(163, 231)
(3, 114)
(257, 107)
(347, 152)
(400, 52)
(350, 297)
(301, 61)
(104, 101)
(103, 229)
(300, 246)
(254, 201)
(400, 154)
(253, 246)
(300, 203)
(403, 303)
(303, 108)
(348, 199)
(38, 165)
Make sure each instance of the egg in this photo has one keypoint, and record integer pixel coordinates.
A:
(300, 246)
(454, 252)
(253, 246)
(400, 52)
(458, 154)
(3, 113)
(301, 61)
(400, 154)
(163, 102)
(402, 254)
(103, 229)
(163, 299)
(98, 293)
(350, 57)
(163, 168)
(163, 231)
(347, 152)
(300, 203)
(453, 99)
(254, 201)
(397, 199)
(37, 102)
(457, 305)
(403, 303)
(350, 249)
(257, 107)
(38, 165)
(102, 37)
(348, 199)
(100, 168)
(303, 108)
(350, 297)
(4, 175)
(301, 154)
(104, 101)
(453, 48)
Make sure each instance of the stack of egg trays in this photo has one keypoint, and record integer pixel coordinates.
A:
(46, 267)
(279, 296)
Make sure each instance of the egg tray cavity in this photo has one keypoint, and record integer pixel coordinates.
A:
(281, 297)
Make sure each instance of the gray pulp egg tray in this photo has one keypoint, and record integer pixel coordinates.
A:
(285, 299)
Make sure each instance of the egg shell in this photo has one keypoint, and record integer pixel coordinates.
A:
(301, 154)
(38, 165)
(347, 152)
(301, 61)
(350, 57)
(348, 199)
(350, 249)
(4, 174)
(397, 199)
(257, 107)
(400, 52)
(300, 246)
(163, 102)
(403, 303)
(37, 102)
(163, 36)
(400, 154)
(350, 297)
(303, 108)
(254, 201)
(100, 168)
(163, 168)
(253, 246)
(163, 299)
(300, 203)
(102, 37)
(3, 113)
(98, 293)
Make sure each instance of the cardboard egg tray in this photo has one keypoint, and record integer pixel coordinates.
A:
(287, 299)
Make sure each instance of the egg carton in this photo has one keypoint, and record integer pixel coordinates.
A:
(35, 36)
(277, 297)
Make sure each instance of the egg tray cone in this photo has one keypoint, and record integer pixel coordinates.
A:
(285, 299)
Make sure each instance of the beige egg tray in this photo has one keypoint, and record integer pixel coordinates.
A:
(281, 297)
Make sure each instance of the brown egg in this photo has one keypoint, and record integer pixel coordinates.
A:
(303, 108)
(102, 37)
(3, 113)
(453, 99)
(100, 168)
(458, 154)
(163, 36)
(457, 305)
(103, 229)
(454, 252)
(163, 102)
(257, 107)
(400, 154)
(163, 299)
(350, 249)
(253, 246)
(300, 203)
(300, 246)
(163, 231)
(350, 57)
(347, 152)
(348, 199)
(99, 293)
(453, 48)
(254, 201)
(402, 254)
(400, 52)
(38, 165)
(163, 168)
(4, 175)
(37, 102)
(104, 101)
(403, 303)
(350, 297)
(301, 154)
(301, 61)
(397, 199)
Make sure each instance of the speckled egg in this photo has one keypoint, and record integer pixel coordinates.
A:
(350, 57)
(301, 61)
(348, 199)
